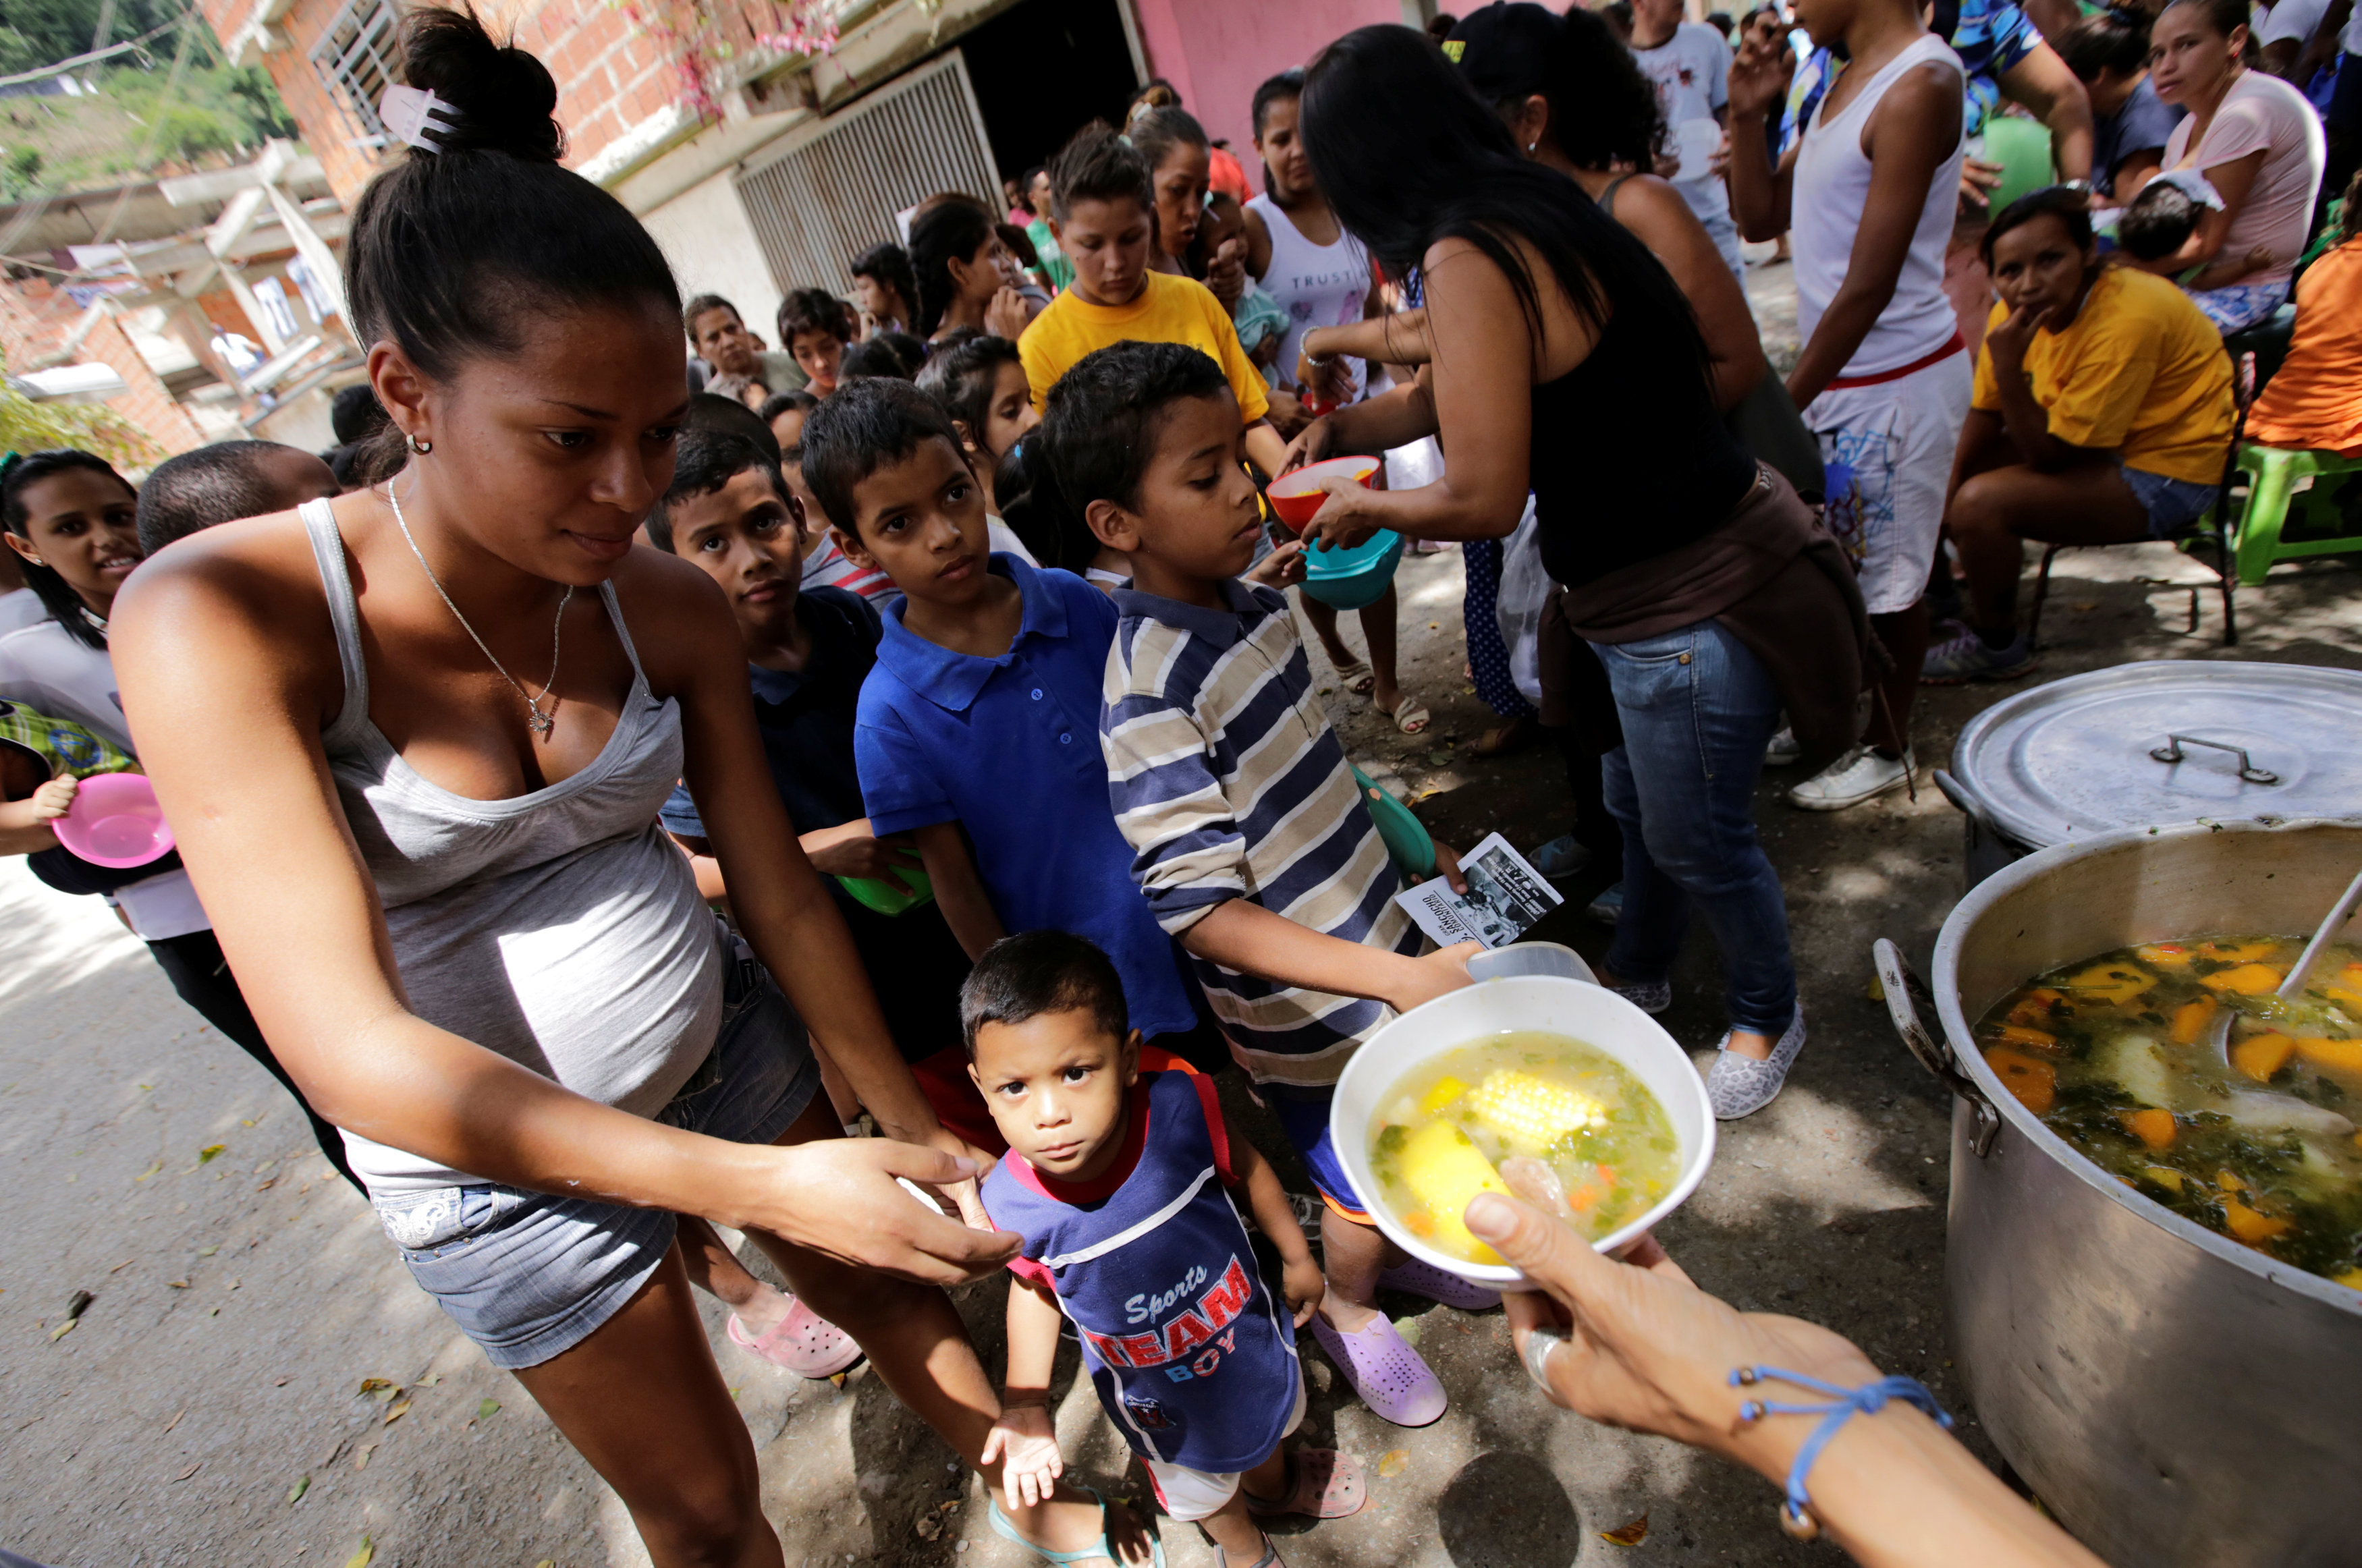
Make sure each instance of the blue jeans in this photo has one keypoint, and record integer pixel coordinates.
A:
(1698, 708)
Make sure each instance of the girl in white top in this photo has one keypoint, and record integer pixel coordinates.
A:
(1868, 195)
(2261, 146)
(1322, 276)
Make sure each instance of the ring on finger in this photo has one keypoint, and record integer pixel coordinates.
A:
(1540, 1342)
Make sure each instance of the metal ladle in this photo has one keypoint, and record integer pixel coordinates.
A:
(2217, 1041)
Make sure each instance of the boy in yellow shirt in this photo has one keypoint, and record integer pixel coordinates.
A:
(1103, 213)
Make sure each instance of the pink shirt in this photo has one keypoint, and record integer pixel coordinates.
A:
(2262, 111)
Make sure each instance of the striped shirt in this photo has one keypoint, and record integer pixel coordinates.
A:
(1228, 783)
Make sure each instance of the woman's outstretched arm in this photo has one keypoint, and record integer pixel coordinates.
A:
(227, 682)
(1647, 1350)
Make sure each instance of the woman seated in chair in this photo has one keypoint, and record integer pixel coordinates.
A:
(2103, 415)
(2315, 403)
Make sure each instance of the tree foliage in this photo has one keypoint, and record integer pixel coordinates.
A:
(46, 31)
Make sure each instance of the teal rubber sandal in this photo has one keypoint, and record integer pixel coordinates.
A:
(1002, 1528)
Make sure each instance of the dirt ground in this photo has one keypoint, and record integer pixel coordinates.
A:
(212, 1404)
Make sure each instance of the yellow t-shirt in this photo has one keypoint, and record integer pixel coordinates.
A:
(2140, 372)
(1170, 309)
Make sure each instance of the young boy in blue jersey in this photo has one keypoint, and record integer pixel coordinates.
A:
(1119, 1175)
(977, 730)
(1251, 841)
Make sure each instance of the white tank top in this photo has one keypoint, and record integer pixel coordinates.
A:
(1830, 192)
(1317, 285)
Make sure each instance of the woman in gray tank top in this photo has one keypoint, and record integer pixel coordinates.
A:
(413, 744)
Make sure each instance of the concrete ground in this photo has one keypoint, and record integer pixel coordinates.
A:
(257, 1382)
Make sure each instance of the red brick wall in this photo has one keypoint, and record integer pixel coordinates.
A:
(615, 67)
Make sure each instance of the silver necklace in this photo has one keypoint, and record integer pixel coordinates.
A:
(540, 720)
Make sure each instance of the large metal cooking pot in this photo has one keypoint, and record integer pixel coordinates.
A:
(2177, 1399)
(2165, 741)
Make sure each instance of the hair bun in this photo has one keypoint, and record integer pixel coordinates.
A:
(502, 98)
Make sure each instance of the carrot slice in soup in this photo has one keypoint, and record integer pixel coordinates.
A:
(2153, 1128)
(2262, 1056)
(2032, 1081)
(2191, 1019)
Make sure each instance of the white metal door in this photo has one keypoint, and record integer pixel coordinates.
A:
(824, 193)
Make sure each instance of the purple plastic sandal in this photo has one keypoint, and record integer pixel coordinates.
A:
(1323, 1485)
(1385, 1371)
(1419, 1279)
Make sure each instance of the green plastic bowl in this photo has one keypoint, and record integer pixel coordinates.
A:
(1408, 844)
(892, 898)
(1350, 578)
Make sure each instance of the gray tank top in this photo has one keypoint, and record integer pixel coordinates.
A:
(559, 928)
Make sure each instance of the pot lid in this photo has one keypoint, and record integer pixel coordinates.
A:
(2099, 750)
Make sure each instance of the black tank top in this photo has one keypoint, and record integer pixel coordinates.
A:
(1630, 459)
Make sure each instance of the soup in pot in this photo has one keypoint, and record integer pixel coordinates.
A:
(2257, 1143)
(1559, 1122)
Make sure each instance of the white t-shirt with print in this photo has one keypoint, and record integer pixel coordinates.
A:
(1691, 72)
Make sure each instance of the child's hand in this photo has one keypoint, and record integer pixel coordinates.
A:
(54, 799)
(2258, 260)
(1437, 974)
(1280, 568)
(1978, 181)
(850, 851)
(1305, 1285)
(1447, 866)
(1027, 1447)
(1758, 75)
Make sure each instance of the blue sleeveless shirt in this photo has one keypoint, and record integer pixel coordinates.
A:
(1192, 1357)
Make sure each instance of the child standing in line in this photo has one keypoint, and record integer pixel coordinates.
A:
(1253, 843)
(814, 328)
(1103, 210)
(1113, 1156)
(977, 725)
(1868, 195)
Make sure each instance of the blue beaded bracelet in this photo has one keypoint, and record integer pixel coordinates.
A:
(1795, 1515)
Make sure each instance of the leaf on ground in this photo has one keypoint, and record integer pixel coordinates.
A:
(1394, 1462)
(429, 1381)
(210, 1153)
(836, 1380)
(362, 1554)
(176, 1420)
(487, 1409)
(1876, 990)
(1632, 1534)
(178, 1284)
(63, 1330)
(1408, 1329)
(373, 1387)
(151, 1170)
(264, 1168)
(546, 1563)
(191, 1470)
(295, 1493)
(396, 1411)
(208, 1252)
(361, 1456)
(118, 1268)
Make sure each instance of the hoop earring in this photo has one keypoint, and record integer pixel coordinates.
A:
(419, 447)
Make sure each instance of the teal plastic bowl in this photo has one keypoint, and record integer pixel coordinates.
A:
(1347, 579)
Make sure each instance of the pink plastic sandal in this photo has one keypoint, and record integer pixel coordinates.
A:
(804, 1341)
(1385, 1371)
(1419, 1278)
(1325, 1485)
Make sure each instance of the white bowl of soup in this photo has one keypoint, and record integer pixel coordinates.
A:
(1535, 1072)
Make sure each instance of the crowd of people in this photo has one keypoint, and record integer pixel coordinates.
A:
(1002, 810)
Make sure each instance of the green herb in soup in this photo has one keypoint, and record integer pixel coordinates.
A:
(1562, 1124)
(2257, 1143)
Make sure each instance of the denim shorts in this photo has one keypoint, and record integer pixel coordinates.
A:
(529, 1275)
(2174, 507)
(1302, 1112)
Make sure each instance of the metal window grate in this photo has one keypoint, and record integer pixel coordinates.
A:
(355, 58)
(832, 190)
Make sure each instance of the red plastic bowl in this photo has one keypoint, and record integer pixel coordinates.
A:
(1297, 496)
(115, 820)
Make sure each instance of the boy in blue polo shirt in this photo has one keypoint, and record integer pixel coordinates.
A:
(977, 731)
(1253, 843)
(1119, 1175)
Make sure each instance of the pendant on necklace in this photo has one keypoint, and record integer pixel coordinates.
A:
(540, 722)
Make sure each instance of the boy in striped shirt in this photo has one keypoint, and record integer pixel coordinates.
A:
(1251, 840)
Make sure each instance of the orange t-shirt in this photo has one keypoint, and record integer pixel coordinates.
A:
(2315, 403)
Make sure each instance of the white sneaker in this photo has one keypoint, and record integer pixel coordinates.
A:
(1783, 751)
(1859, 775)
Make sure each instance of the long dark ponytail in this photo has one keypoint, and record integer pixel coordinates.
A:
(17, 475)
(1407, 155)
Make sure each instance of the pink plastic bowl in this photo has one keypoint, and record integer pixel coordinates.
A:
(115, 821)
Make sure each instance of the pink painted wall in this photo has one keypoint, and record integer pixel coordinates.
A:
(1216, 53)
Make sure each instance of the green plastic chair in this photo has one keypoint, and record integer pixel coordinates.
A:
(2271, 495)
